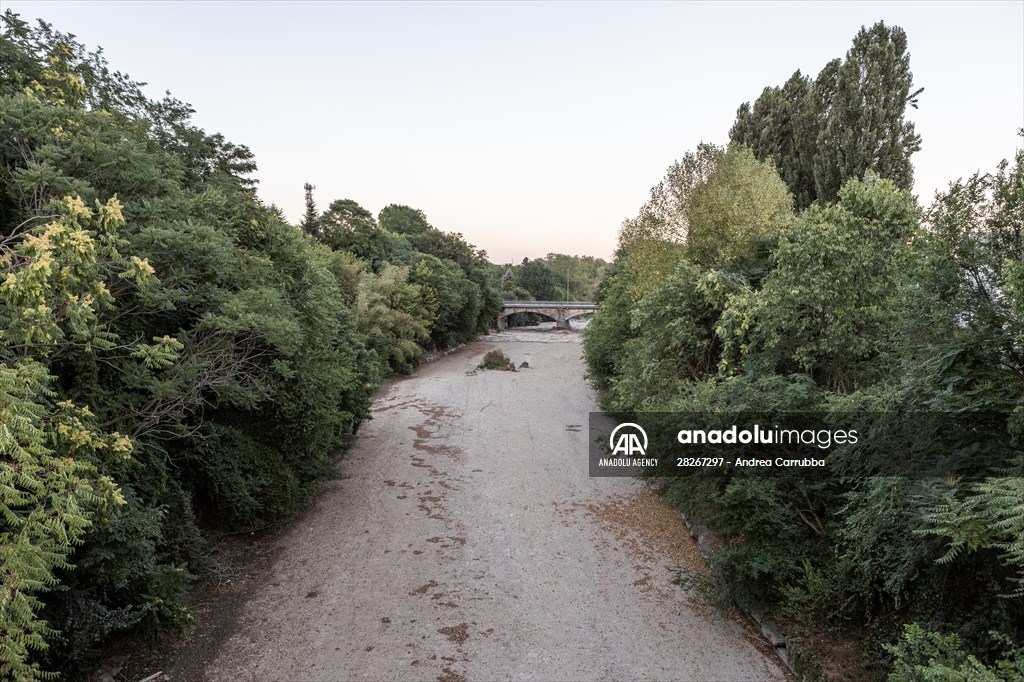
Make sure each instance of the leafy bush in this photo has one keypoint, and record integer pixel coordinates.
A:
(925, 656)
(496, 359)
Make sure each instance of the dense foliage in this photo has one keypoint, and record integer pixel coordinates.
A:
(820, 133)
(175, 358)
(862, 303)
(555, 277)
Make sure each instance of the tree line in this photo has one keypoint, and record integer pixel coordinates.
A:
(555, 277)
(792, 271)
(177, 360)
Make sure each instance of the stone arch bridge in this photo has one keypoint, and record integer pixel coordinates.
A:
(559, 311)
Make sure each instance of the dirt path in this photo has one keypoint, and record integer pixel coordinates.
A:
(465, 541)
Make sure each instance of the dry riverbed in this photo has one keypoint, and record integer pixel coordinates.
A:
(464, 540)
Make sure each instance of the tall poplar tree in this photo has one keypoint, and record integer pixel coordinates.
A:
(783, 126)
(847, 121)
(865, 127)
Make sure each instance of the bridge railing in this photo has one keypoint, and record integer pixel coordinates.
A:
(548, 304)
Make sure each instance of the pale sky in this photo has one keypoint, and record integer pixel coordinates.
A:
(532, 127)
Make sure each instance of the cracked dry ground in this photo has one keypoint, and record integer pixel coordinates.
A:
(464, 540)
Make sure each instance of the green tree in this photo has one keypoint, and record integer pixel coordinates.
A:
(847, 121)
(651, 244)
(536, 277)
(403, 219)
(584, 274)
(969, 322)
(830, 305)
(50, 495)
(51, 486)
(674, 341)
(741, 203)
(447, 293)
(865, 126)
(663, 215)
(347, 226)
(783, 126)
(391, 315)
(609, 331)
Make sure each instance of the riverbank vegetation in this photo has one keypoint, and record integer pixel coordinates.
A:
(177, 360)
(793, 271)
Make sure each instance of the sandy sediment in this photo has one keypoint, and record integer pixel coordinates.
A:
(466, 541)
